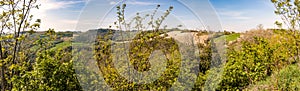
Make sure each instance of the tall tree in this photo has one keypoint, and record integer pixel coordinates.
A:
(15, 18)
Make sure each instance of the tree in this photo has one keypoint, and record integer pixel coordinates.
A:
(289, 11)
(260, 27)
(140, 49)
(15, 19)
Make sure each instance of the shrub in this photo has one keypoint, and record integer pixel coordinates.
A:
(252, 63)
(289, 78)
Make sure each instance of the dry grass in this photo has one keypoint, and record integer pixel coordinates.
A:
(249, 37)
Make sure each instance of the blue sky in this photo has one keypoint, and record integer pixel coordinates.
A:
(233, 15)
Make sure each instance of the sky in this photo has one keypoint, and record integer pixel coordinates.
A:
(231, 15)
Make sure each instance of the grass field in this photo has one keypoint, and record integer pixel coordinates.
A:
(228, 38)
(232, 37)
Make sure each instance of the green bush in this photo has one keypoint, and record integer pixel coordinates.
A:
(286, 79)
(252, 63)
(52, 70)
(289, 78)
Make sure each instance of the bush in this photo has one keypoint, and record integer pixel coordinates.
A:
(289, 78)
(52, 70)
(252, 63)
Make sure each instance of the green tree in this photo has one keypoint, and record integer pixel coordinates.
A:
(289, 11)
(29, 61)
(15, 19)
(141, 48)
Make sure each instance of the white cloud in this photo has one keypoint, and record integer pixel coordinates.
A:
(47, 5)
(112, 2)
(234, 14)
(53, 20)
(69, 21)
(54, 5)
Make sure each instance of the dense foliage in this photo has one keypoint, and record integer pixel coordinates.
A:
(31, 61)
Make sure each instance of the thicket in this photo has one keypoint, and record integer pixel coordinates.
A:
(263, 56)
(254, 62)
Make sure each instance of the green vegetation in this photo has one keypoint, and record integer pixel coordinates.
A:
(62, 45)
(232, 37)
(229, 37)
(254, 62)
(46, 60)
(286, 79)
